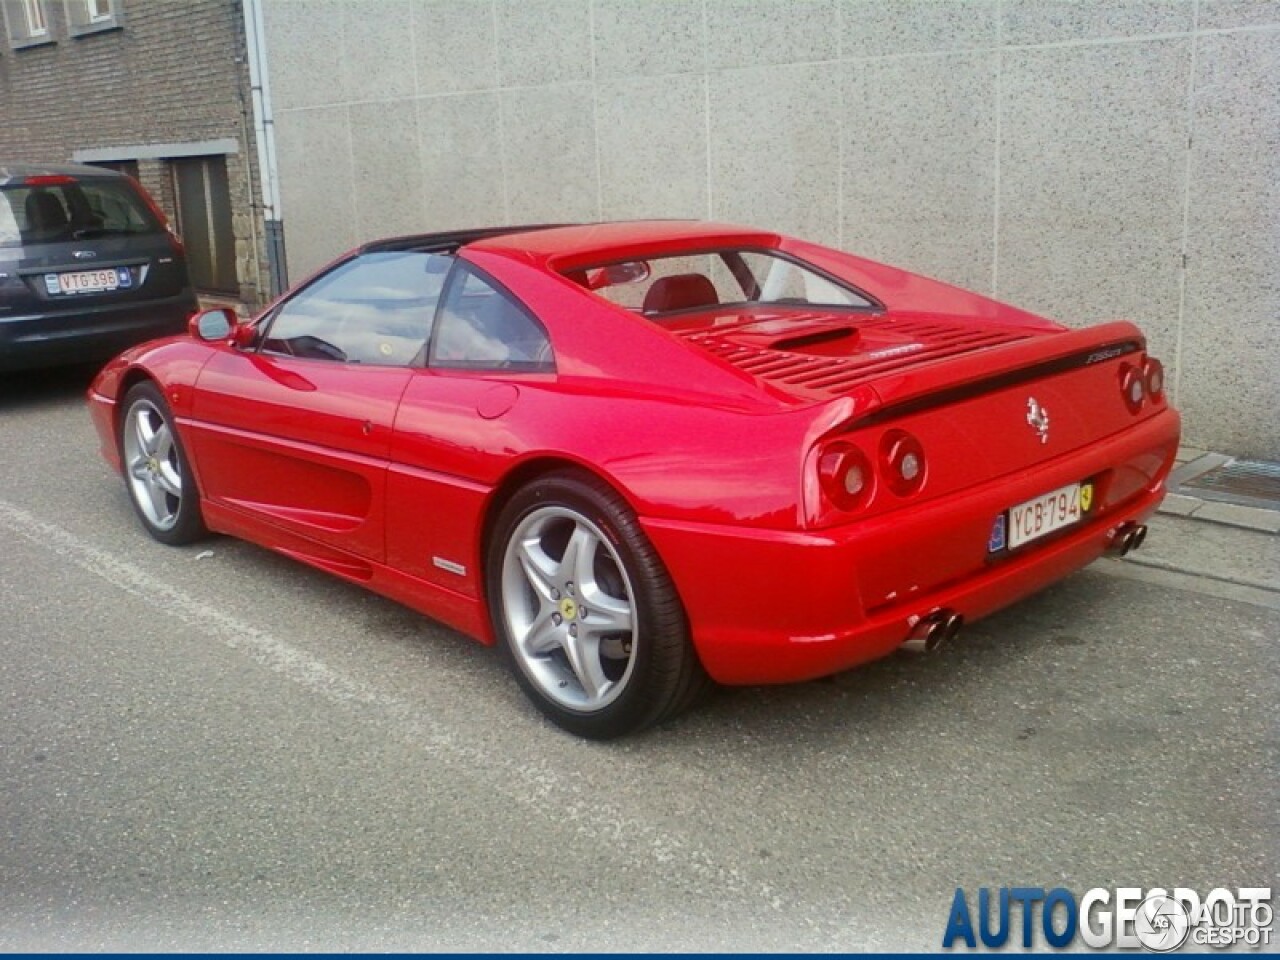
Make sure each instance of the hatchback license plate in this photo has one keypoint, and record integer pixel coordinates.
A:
(87, 281)
(1048, 512)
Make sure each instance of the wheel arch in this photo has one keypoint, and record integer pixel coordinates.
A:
(526, 472)
(515, 479)
(128, 380)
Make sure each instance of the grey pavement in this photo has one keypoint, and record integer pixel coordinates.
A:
(216, 748)
(1186, 501)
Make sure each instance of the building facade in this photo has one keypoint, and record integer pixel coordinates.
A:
(1085, 159)
(157, 89)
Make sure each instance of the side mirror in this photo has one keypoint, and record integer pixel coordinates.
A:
(215, 324)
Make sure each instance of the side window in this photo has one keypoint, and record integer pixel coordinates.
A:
(375, 309)
(482, 328)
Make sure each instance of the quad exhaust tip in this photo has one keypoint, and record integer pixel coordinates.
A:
(1127, 538)
(933, 631)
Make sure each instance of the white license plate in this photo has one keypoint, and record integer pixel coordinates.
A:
(1049, 512)
(87, 281)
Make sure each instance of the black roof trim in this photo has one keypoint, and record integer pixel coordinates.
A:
(451, 240)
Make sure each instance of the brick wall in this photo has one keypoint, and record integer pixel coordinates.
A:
(172, 72)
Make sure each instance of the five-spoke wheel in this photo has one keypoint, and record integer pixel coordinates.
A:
(568, 608)
(155, 468)
(586, 611)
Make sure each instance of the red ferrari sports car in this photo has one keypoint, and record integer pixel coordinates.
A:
(638, 456)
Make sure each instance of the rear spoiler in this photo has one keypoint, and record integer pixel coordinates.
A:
(917, 388)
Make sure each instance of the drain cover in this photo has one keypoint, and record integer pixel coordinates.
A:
(1251, 483)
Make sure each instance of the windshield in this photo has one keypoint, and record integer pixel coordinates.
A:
(74, 210)
(728, 277)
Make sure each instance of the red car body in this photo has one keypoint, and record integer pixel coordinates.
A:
(713, 428)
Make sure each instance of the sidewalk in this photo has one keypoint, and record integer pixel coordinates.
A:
(1209, 537)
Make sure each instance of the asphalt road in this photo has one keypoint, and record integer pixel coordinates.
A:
(217, 748)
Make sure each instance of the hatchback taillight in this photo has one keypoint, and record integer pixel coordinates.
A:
(174, 240)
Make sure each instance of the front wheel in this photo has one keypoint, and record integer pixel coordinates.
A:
(156, 473)
(586, 612)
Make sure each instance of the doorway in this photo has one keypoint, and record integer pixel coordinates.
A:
(204, 223)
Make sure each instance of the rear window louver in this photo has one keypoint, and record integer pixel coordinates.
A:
(922, 342)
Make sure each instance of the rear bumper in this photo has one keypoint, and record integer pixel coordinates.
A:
(775, 606)
(94, 334)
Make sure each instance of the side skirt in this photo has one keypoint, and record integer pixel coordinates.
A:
(464, 614)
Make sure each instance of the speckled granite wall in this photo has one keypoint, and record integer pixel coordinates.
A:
(1087, 159)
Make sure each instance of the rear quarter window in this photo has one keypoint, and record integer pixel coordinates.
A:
(483, 328)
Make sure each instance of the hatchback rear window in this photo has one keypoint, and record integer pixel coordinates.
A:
(75, 210)
(728, 277)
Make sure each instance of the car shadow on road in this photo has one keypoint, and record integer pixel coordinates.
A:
(31, 389)
(991, 665)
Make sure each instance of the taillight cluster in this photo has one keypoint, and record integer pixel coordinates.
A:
(902, 462)
(849, 479)
(1138, 384)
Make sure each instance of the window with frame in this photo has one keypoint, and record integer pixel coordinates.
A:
(27, 22)
(376, 309)
(481, 327)
(91, 16)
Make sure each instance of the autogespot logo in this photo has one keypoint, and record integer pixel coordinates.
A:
(1162, 923)
(1128, 917)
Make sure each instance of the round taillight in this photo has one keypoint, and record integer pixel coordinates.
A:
(846, 475)
(903, 463)
(1131, 388)
(1153, 373)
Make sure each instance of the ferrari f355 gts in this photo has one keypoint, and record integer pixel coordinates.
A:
(640, 457)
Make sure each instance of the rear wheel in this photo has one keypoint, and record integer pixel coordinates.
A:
(156, 473)
(586, 612)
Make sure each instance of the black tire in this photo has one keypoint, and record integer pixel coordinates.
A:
(173, 519)
(661, 675)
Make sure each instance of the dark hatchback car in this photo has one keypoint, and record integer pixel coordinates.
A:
(88, 266)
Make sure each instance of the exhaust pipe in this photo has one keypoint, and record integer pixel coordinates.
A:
(951, 627)
(932, 631)
(1139, 536)
(1127, 538)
